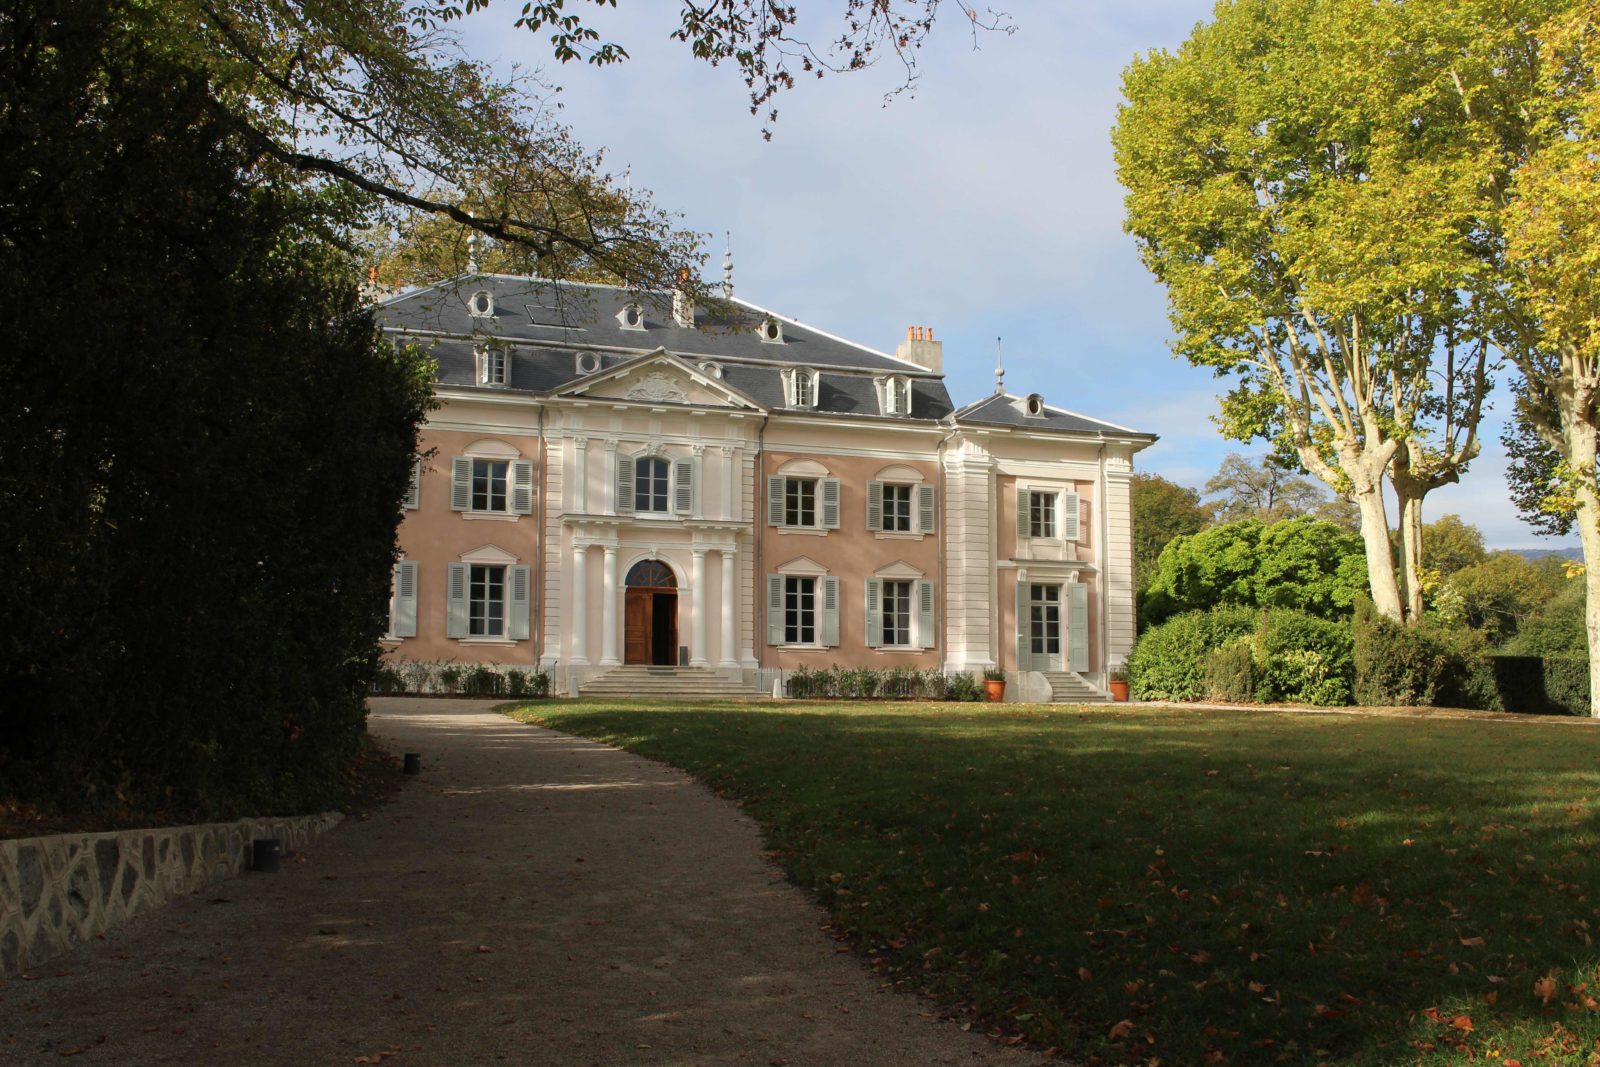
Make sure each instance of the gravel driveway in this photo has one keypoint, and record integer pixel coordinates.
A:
(532, 898)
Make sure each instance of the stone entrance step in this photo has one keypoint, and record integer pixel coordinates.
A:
(667, 683)
(1069, 688)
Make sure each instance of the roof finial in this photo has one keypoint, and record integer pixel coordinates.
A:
(999, 368)
(472, 252)
(727, 268)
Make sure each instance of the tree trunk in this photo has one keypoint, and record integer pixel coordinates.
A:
(1380, 557)
(1580, 435)
(1410, 554)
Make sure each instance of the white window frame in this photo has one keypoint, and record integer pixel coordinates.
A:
(796, 379)
(474, 509)
(791, 511)
(494, 366)
(500, 586)
(1052, 513)
(910, 516)
(906, 634)
(666, 487)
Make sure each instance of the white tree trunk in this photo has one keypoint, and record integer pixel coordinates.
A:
(1411, 555)
(1380, 558)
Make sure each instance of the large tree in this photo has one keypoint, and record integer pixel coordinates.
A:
(1553, 246)
(1303, 177)
(1266, 488)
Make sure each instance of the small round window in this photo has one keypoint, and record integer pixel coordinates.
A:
(588, 362)
(632, 317)
(482, 303)
(1035, 404)
(713, 369)
(771, 330)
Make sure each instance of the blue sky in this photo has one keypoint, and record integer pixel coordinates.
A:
(986, 205)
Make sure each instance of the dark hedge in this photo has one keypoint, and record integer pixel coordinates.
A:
(205, 443)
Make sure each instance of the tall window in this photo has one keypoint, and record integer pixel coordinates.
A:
(897, 396)
(897, 508)
(800, 611)
(489, 484)
(897, 613)
(1041, 515)
(805, 389)
(1044, 619)
(486, 601)
(800, 502)
(494, 366)
(650, 485)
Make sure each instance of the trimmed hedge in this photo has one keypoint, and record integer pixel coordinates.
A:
(1169, 661)
(448, 678)
(865, 683)
(1566, 684)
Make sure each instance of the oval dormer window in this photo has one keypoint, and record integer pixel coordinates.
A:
(771, 331)
(631, 317)
(710, 369)
(588, 362)
(1034, 405)
(482, 304)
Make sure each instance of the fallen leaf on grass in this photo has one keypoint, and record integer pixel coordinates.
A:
(1462, 1023)
(1545, 988)
(1472, 942)
(1121, 1030)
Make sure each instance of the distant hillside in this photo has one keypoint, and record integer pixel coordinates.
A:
(1572, 552)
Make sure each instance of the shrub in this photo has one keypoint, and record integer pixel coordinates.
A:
(1168, 663)
(1230, 673)
(1395, 665)
(1566, 684)
(964, 687)
(865, 683)
(1303, 659)
(482, 681)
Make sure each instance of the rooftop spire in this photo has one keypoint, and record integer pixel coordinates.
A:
(727, 268)
(999, 368)
(472, 252)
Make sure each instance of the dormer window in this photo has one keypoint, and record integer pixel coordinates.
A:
(631, 317)
(770, 331)
(894, 395)
(587, 362)
(481, 304)
(494, 365)
(1033, 406)
(800, 387)
(711, 369)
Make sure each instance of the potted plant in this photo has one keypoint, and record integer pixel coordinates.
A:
(1118, 682)
(994, 684)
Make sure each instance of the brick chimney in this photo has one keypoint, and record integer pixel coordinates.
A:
(920, 348)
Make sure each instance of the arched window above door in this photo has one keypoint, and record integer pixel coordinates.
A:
(651, 574)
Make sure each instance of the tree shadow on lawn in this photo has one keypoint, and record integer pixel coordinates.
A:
(1217, 887)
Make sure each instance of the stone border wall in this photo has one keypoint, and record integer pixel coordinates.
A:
(62, 890)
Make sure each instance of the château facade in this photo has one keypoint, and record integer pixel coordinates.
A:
(612, 479)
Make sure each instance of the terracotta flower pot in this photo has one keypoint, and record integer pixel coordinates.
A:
(1119, 688)
(995, 690)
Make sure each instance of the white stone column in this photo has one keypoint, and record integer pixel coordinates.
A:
(608, 612)
(580, 605)
(727, 482)
(730, 608)
(697, 610)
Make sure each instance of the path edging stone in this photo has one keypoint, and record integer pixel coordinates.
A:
(64, 889)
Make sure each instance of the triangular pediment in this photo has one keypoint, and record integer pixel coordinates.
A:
(661, 378)
(803, 566)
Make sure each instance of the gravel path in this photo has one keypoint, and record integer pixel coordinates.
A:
(532, 898)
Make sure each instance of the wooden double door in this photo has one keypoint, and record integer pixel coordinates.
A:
(650, 620)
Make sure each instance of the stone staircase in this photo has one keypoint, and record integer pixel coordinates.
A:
(1068, 688)
(666, 683)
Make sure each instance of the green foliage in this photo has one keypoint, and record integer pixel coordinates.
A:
(197, 571)
(1266, 488)
(1302, 659)
(1566, 684)
(1557, 628)
(1162, 510)
(1297, 563)
(447, 677)
(1230, 673)
(1449, 544)
(1169, 661)
(1395, 665)
(1500, 593)
(865, 683)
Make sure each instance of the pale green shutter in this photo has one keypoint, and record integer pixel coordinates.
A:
(403, 621)
(1024, 653)
(414, 492)
(830, 504)
(521, 487)
(925, 509)
(1078, 627)
(830, 611)
(456, 594)
(683, 488)
(521, 596)
(460, 484)
(774, 609)
(775, 500)
(874, 612)
(1069, 517)
(624, 485)
(1022, 515)
(925, 633)
(874, 505)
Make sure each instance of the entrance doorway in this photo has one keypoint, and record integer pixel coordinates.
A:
(1044, 627)
(651, 615)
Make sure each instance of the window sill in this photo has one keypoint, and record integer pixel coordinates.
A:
(898, 650)
(897, 535)
(802, 531)
(803, 648)
(390, 639)
(486, 640)
(490, 516)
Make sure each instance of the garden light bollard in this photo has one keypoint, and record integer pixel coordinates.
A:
(265, 852)
(413, 763)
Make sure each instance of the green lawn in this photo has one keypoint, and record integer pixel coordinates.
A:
(1185, 886)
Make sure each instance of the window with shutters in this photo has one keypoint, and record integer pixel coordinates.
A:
(896, 508)
(799, 611)
(800, 387)
(800, 502)
(489, 484)
(486, 601)
(492, 363)
(1042, 515)
(896, 613)
(650, 484)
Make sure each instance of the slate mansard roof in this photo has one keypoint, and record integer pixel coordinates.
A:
(545, 325)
